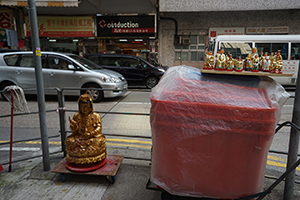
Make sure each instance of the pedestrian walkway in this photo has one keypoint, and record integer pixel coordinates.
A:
(28, 181)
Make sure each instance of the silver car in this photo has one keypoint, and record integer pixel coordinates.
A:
(60, 70)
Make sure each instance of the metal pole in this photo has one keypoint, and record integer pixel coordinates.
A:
(62, 119)
(293, 145)
(11, 129)
(39, 81)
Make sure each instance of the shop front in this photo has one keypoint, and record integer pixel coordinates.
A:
(63, 33)
(135, 34)
(128, 34)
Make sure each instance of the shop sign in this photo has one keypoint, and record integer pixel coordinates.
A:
(63, 26)
(213, 32)
(267, 30)
(290, 66)
(6, 21)
(126, 26)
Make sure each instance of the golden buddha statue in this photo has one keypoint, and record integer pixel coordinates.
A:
(86, 144)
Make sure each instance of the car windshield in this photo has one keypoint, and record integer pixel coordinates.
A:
(86, 63)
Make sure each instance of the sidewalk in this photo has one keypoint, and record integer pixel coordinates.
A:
(28, 181)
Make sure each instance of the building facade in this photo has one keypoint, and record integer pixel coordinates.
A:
(176, 32)
(196, 22)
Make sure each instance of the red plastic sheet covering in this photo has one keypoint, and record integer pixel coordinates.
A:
(211, 133)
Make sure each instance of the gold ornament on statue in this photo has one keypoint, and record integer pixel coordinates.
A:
(86, 144)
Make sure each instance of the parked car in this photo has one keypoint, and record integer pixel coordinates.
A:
(60, 70)
(156, 64)
(137, 71)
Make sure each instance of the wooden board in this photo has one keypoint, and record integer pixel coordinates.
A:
(109, 169)
(244, 73)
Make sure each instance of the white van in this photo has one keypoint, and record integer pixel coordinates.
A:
(241, 45)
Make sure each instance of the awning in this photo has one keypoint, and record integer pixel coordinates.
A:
(41, 3)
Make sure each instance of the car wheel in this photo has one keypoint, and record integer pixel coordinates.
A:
(2, 88)
(97, 95)
(151, 82)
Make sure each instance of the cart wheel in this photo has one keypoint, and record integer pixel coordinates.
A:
(111, 179)
(167, 196)
(63, 178)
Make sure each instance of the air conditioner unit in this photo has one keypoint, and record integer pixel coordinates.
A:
(186, 41)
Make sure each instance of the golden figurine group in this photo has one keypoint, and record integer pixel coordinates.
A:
(253, 62)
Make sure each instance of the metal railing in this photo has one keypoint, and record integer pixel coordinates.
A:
(63, 134)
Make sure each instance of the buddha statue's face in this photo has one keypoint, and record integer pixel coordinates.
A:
(85, 108)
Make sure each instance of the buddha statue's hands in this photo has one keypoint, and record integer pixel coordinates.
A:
(73, 124)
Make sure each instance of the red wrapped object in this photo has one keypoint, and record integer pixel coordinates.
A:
(211, 133)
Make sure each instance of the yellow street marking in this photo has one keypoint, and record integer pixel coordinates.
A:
(110, 141)
(129, 141)
(276, 158)
(276, 164)
(129, 145)
(107, 139)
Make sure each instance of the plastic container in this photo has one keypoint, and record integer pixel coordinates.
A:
(210, 136)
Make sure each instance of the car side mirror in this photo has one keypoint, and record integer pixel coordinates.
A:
(71, 67)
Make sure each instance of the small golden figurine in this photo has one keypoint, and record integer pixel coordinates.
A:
(253, 53)
(248, 63)
(220, 61)
(255, 64)
(86, 144)
(278, 59)
(261, 61)
(239, 65)
(230, 64)
(273, 63)
(266, 63)
(209, 60)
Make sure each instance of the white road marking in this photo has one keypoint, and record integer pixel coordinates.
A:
(20, 149)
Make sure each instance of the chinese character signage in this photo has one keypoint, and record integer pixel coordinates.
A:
(63, 26)
(290, 66)
(213, 32)
(267, 30)
(126, 26)
(6, 21)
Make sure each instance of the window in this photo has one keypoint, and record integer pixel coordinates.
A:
(111, 61)
(27, 61)
(58, 63)
(144, 65)
(11, 60)
(273, 47)
(94, 59)
(295, 54)
(130, 62)
(191, 52)
(237, 49)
